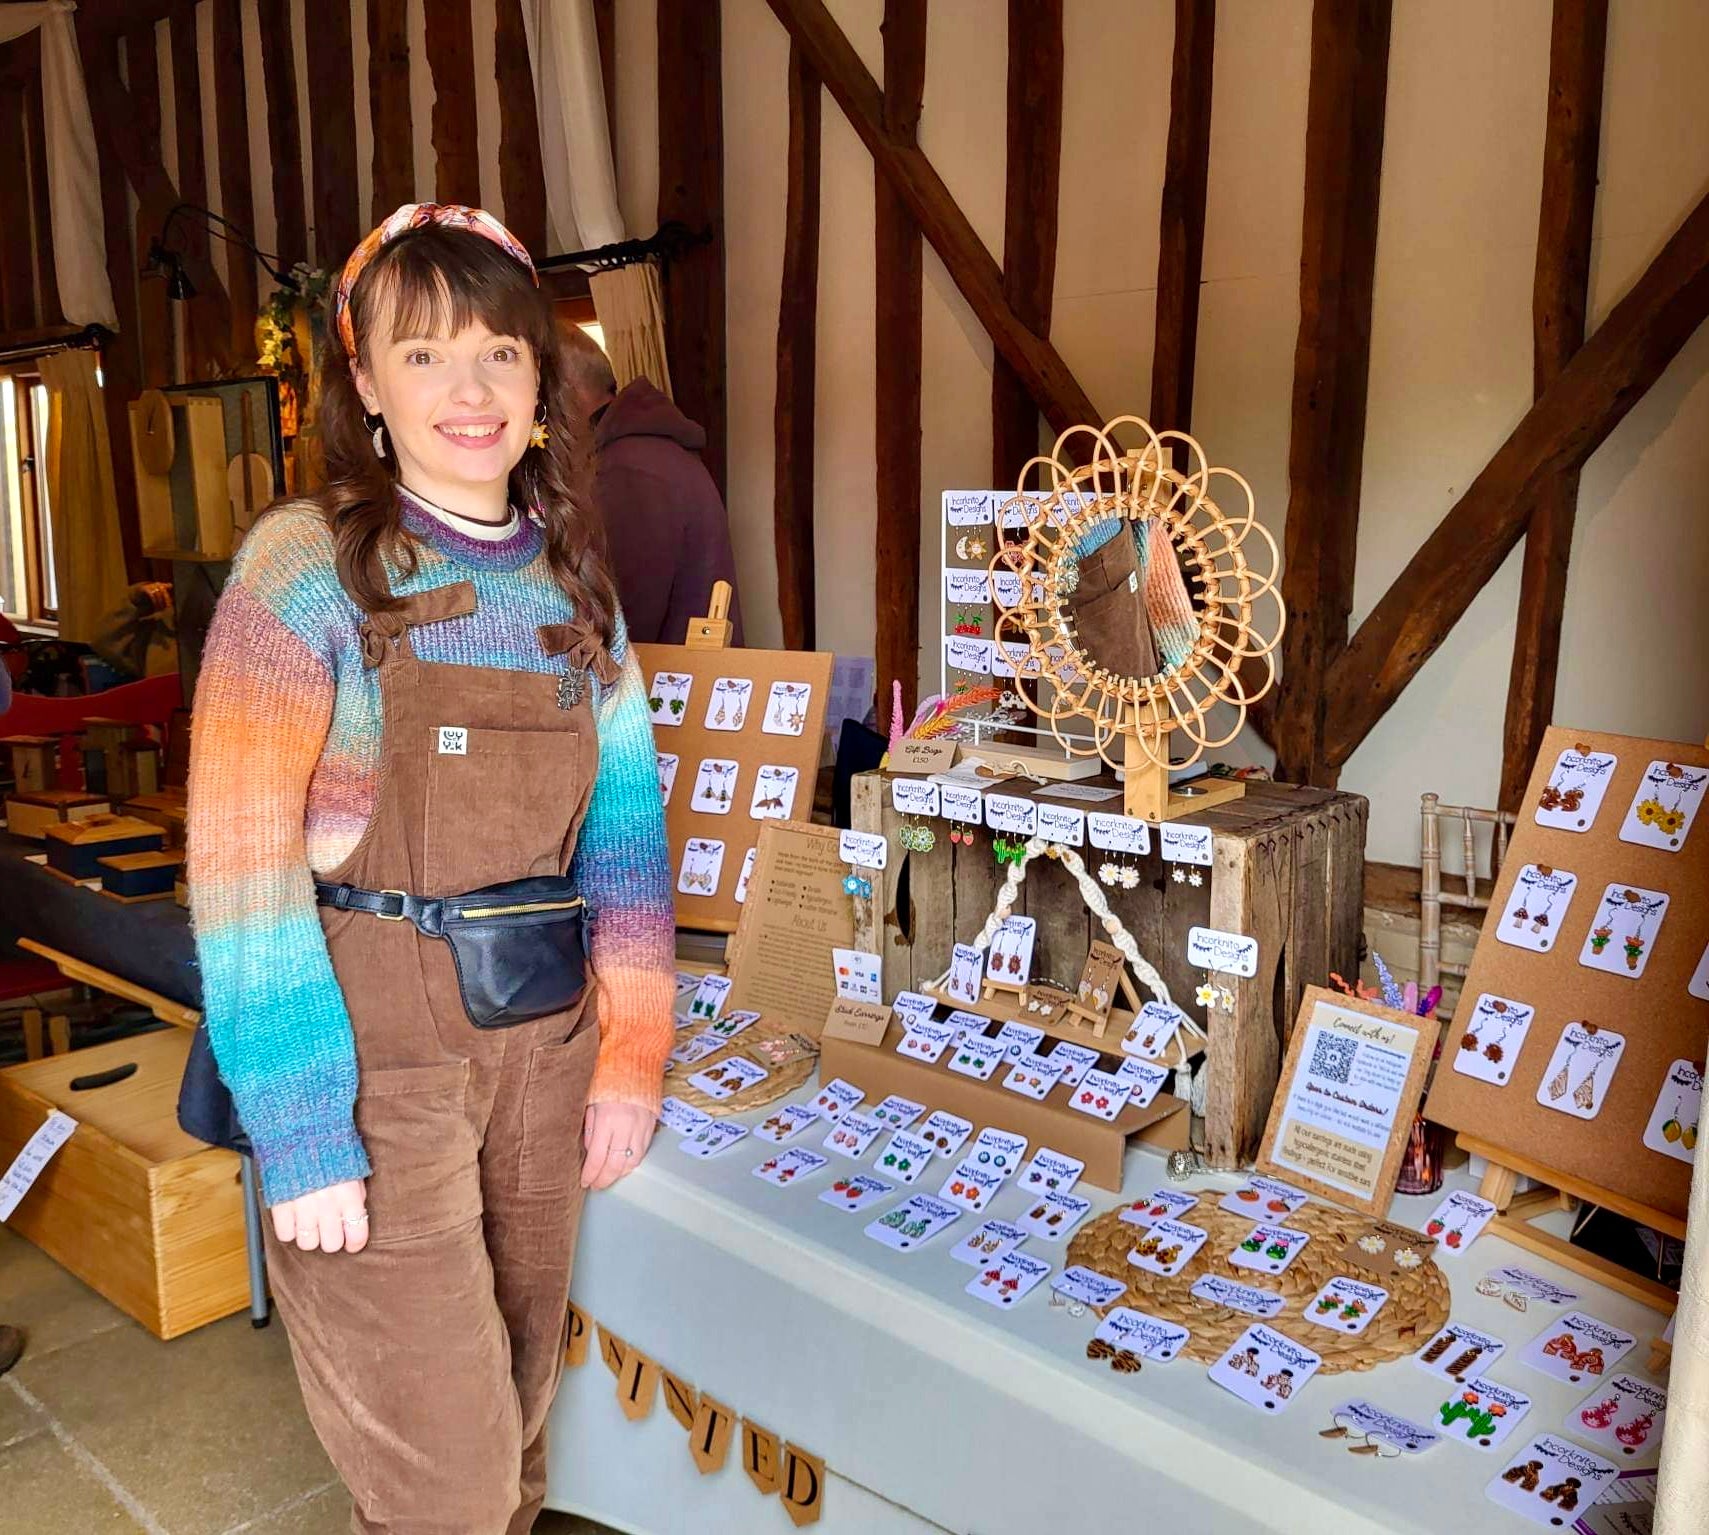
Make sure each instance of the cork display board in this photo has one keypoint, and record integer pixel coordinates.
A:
(1579, 1039)
(1416, 1309)
(738, 735)
(1349, 1092)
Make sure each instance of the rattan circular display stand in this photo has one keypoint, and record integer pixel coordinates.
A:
(1416, 1309)
(1142, 726)
(782, 1079)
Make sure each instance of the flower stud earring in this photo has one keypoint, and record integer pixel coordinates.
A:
(539, 434)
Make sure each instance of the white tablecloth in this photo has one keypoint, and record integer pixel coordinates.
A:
(933, 1410)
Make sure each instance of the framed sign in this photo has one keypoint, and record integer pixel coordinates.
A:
(1350, 1088)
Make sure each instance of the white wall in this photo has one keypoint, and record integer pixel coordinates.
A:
(1451, 339)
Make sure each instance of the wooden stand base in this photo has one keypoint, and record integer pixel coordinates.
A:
(1147, 796)
(1518, 1211)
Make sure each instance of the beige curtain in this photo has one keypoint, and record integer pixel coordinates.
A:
(631, 310)
(88, 559)
(1682, 1503)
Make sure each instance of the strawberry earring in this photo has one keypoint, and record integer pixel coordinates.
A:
(540, 434)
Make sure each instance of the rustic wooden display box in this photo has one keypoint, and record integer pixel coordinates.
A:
(74, 849)
(169, 810)
(30, 815)
(147, 1215)
(1288, 869)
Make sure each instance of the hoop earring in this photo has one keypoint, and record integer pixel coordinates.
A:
(379, 438)
(541, 434)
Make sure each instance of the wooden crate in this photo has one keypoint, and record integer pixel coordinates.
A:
(147, 1215)
(1288, 869)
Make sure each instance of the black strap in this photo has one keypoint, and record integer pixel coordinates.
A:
(396, 905)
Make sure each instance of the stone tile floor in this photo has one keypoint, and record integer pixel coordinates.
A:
(105, 1428)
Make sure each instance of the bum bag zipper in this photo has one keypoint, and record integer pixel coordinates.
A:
(517, 911)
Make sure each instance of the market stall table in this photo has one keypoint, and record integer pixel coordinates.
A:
(932, 1410)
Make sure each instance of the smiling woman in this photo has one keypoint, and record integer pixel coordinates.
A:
(422, 754)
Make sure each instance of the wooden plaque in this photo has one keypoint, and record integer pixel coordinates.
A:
(694, 736)
(1349, 1092)
(1659, 1008)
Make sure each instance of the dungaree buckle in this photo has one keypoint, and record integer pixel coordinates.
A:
(393, 916)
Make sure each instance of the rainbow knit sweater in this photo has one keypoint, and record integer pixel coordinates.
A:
(283, 775)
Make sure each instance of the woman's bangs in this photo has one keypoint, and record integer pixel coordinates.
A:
(432, 284)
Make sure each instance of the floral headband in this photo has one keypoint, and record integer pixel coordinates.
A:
(414, 216)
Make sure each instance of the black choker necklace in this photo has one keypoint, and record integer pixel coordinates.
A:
(433, 506)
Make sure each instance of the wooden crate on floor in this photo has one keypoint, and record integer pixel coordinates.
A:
(145, 1214)
(1288, 870)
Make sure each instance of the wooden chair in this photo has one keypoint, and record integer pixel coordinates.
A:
(1432, 897)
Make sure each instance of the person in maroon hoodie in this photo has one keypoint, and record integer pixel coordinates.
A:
(667, 532)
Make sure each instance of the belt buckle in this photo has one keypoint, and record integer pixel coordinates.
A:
(393, 916)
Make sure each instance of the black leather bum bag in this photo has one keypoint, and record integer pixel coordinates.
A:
(520, 947)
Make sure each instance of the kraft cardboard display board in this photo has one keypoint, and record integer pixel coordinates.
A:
(880, 1071)
(694, 735)
(796, 913)
(1662, 1015)
(1347, 1097)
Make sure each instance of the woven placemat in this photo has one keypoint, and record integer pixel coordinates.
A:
(783, 1079)
(1417, 1306)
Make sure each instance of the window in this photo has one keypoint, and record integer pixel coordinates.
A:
(27, 589)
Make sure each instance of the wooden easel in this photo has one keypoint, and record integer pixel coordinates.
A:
(1557, 1191)
(713, 631)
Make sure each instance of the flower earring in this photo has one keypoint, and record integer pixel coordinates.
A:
(539, 434)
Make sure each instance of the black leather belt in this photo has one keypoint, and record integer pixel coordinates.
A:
(387, 905)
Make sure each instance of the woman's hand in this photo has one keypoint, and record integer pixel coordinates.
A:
(328, 1220)
(609, 1130)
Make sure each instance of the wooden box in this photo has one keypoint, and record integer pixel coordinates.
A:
(145, 1214)
(167, 810)
(33, 759)
(1287, 868)
(141, 876)
(30, 815)
(75, 848)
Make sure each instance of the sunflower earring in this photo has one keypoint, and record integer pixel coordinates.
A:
(540, 434)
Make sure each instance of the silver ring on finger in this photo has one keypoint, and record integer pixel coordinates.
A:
(628, 1151)
(359, 1219)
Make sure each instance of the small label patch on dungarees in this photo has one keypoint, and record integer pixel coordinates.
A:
(454, 740)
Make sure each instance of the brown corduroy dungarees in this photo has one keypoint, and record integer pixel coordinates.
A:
(428, 1360)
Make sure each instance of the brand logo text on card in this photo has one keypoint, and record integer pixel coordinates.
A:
(865, 849)
(1226, 953)
(1181, 843)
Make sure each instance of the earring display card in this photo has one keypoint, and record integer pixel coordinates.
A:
(1265, 1367)
(1163, 1204)
(1492, 1038)
(1459, 1352)
(1624, 1417)
(1550, 1481)
(1153, 1030)
(1346, 1305)
(715, 785)
(992, 1241)
(667, 774)
(1672, 1129)
(1086, 1286)
(727, 708)
(1536, 907)
(1148, 1336)
(748, 860)
(1482, 1413)
(1572, 796)
(1167, 1247)
(1637, 968)
(786, 708)
(702, 863)
(1459, 1219)
(1625, 931)
(1002, 1284)
(1269, 1249)
(1665, 805)
(1577, 1348)
(964, 966)
(1372, 1421)
(1580, 1072)
(774, 792)
(667, 700)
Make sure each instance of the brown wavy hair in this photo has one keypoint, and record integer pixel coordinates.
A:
(433, 282)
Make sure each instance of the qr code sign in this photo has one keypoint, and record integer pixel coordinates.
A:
(1332, 1057)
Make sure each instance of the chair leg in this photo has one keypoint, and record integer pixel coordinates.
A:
(59, 1031)
(32, 1018)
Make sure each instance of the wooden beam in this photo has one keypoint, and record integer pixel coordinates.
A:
(521, 179)
(207, 337)
(332, 135)
(1181, 227)
(605, 30)
(1344, 162)
(797, 351)
(237, 194)
(17, 277)
(1029, 218)
(456, 144)
(388, 105)
(691, 188)
(1570, 420)
(897, 339)
(1055, 389)
(284, 138)
(1578, 41)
